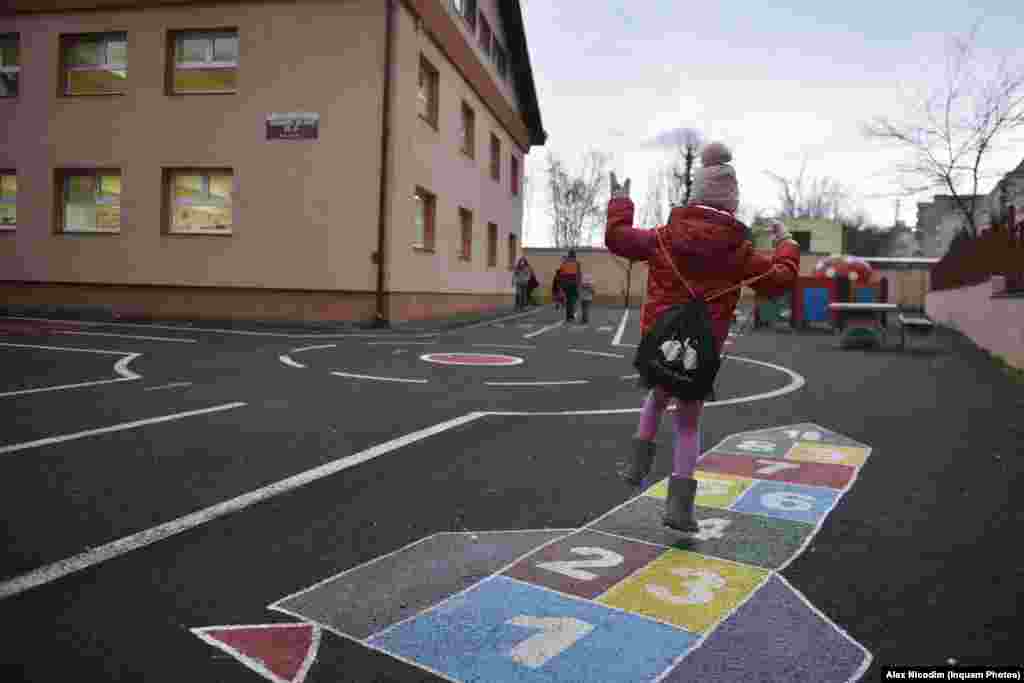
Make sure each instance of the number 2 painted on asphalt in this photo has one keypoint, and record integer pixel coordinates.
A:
(557, 634)
(572, 568)
(774, 466)
(702, 587)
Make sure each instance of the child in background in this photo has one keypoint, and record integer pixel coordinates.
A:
(586, 296)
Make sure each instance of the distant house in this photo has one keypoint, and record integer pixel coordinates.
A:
(814, 235)
(940, 219)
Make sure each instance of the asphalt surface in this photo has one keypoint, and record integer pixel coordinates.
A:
(919, 561)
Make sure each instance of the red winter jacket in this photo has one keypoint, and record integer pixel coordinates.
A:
(711, 250)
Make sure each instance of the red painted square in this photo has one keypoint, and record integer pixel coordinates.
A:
(779, 469)
(586, 563)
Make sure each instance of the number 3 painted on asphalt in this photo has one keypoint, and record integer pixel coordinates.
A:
(571, 568)
(557, 634)
(701, 587)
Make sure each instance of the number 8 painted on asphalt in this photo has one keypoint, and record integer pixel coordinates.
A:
(785, 500)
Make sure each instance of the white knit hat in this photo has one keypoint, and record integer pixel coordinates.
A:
(714, 184)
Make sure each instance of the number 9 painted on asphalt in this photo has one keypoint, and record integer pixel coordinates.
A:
(786, 500)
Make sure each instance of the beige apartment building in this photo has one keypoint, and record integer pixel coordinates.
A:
(312, 159)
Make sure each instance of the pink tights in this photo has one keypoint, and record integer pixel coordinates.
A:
(686, 421)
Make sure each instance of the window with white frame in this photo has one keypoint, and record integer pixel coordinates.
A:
(201, 201)
(91, 201)
(426, 212)
(204, 61)
(9, 65)
(95, 63)
(8, 200)
(426, 95)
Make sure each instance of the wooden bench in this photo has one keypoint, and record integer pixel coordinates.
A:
(916, 323)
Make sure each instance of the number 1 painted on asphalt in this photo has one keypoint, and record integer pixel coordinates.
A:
(557, 634)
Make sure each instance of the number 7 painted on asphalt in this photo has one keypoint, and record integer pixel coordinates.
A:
(557, 635)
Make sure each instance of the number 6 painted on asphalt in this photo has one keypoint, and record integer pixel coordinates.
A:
(557, 634)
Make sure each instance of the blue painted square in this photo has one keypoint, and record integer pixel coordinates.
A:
(787, 501)
(507, 630)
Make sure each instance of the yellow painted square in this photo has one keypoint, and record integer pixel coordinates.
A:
(837, 455)
(713, 489)
(686, 589)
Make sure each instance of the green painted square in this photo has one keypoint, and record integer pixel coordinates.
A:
(756, 540)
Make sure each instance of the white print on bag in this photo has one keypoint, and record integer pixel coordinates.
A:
(671, 348)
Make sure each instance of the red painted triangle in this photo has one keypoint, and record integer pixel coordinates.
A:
(281, 652)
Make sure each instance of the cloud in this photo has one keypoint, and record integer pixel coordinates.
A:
(668, 138)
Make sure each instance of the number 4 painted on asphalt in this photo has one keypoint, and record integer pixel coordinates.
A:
(557, 634)
(774, 466)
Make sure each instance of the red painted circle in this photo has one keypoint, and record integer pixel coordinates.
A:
(482, 359)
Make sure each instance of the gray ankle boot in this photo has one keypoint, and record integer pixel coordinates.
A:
(679, 505)
(640, 463)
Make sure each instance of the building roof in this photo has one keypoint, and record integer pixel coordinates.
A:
(515, 35)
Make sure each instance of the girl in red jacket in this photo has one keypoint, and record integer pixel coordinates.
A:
(711, 249)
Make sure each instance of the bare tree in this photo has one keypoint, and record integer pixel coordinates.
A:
(575, 204)
(957, 125)
(810, 197)
(687, 142)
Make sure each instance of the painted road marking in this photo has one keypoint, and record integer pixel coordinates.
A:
(172, 385)
(498, 320)
(537, 384)
(622, 329)
(250, 333)
(606, 328)
(287, 360)
(561, 611)
(542, 330)
(402, 343)
(506, 346)
(379, 379)
(13, 448)
(125, 545)
(120, 368)
(183, 340)
(475, 359)
(283, 653)
(597, 353)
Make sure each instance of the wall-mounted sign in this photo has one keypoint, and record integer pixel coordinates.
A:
(293, 126)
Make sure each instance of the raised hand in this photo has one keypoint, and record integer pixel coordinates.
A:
(619, 191)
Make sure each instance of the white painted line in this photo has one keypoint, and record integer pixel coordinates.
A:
(543, 330)
(605, 328)
(313, 348)
(506, 346)
(69, 348)
(498, 320)
(183, 340)
(79, 385)
(622, 328)
(402, 343)
(95, 556)
(597, 353)
(191, 328)
(536, 384)
(258, 665)
(172, 385)
(13, 448)
(380, 379)
(121, 368)
(796, 381)
(287, 360)
(633, 376)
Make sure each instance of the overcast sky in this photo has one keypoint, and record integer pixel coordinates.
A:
(777, 85)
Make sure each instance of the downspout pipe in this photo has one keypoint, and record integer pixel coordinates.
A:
(381, 316)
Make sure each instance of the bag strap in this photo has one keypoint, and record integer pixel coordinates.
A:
(671, 262)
